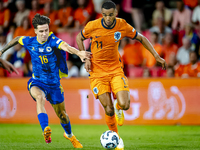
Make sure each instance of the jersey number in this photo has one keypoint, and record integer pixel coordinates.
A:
(99, 44)
(124, 81)
(43, 59)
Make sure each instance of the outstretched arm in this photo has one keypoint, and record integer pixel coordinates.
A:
(8, 66)
(145, 42)
(10, 44)
(82, 54)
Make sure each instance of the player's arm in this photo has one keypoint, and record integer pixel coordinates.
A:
(8, 66)
(79, 41)
(145, 42)
(82, 54)
(12, 43)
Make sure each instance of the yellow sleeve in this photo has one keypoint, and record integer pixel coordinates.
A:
(21, 41)
(59, 46)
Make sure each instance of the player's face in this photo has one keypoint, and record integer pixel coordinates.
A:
(42, 32)
(109, 16)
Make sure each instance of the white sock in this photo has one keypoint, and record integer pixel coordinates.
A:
(69, 135)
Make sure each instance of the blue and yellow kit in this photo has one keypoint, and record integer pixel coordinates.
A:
(48, 64)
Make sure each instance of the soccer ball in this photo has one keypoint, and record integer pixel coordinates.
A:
(109, 139)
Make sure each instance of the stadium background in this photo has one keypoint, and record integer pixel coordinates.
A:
(168, 100)
(157, 97)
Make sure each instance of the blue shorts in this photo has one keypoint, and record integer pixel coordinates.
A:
(53, 93)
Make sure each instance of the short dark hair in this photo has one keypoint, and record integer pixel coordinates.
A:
(108, 5)
(40, 20)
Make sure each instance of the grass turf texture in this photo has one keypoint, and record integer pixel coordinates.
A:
(26, 136)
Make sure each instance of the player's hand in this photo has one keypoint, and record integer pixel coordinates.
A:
(88, 65)
(0, 53)
(161, 62)
(84, 55)
(8, 66)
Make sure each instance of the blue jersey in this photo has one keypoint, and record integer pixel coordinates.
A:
(48, 60)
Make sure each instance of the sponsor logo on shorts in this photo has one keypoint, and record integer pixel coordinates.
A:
(96, 91)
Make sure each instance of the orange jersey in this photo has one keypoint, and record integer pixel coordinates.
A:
(64, 14)
(151, 61)
(21, 32)
(178, 68)
(104, 45)
(4, 16)
(192, 70)
(133, 54)
(168, 50)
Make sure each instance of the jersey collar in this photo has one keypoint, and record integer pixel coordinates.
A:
(108, 27)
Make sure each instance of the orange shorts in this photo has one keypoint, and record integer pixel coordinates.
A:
(114, 83)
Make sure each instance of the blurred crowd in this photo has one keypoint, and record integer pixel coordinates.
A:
(172, 26)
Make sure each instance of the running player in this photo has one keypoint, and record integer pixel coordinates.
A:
(49, 65)
(106, 73)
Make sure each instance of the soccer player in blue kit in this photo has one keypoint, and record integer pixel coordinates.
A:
(49, 65)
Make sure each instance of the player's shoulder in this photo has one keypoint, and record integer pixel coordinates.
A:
(121, 21)
(28, 39)
(94, 23)
(52, 37)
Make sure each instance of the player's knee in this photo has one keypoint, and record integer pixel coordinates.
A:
(125, 105)
(39, 98)
(109, 110)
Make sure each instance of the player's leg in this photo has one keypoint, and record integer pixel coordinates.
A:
(107, 104)
(39, 96)
(123, 100)
(102, 90)
(120, 88)
(65, 123)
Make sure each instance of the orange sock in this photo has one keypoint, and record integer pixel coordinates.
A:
(117, 106)
(111, 123)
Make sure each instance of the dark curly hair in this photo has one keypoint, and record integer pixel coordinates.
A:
(108, 5)
(40, 20)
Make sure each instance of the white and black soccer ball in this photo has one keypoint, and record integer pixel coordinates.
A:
(109, 139)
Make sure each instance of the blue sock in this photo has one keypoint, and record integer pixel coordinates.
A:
(67, 127)
(43, 119)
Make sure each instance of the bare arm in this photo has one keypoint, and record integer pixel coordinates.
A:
(82, 54)
(79, 41)
(145, 42)
(8, 66)
(12, 43)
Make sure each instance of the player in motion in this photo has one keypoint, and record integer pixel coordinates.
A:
(106, 73)
(49, 65)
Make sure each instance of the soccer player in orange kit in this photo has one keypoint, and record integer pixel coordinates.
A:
(105, 68)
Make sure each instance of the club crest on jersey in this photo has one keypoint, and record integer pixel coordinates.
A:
(117, 36)
(95, 90)
(48, 49)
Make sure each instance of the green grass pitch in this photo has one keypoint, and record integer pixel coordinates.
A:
(29, 137)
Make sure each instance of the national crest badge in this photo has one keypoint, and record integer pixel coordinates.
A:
(95, 90)
(117, 36)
